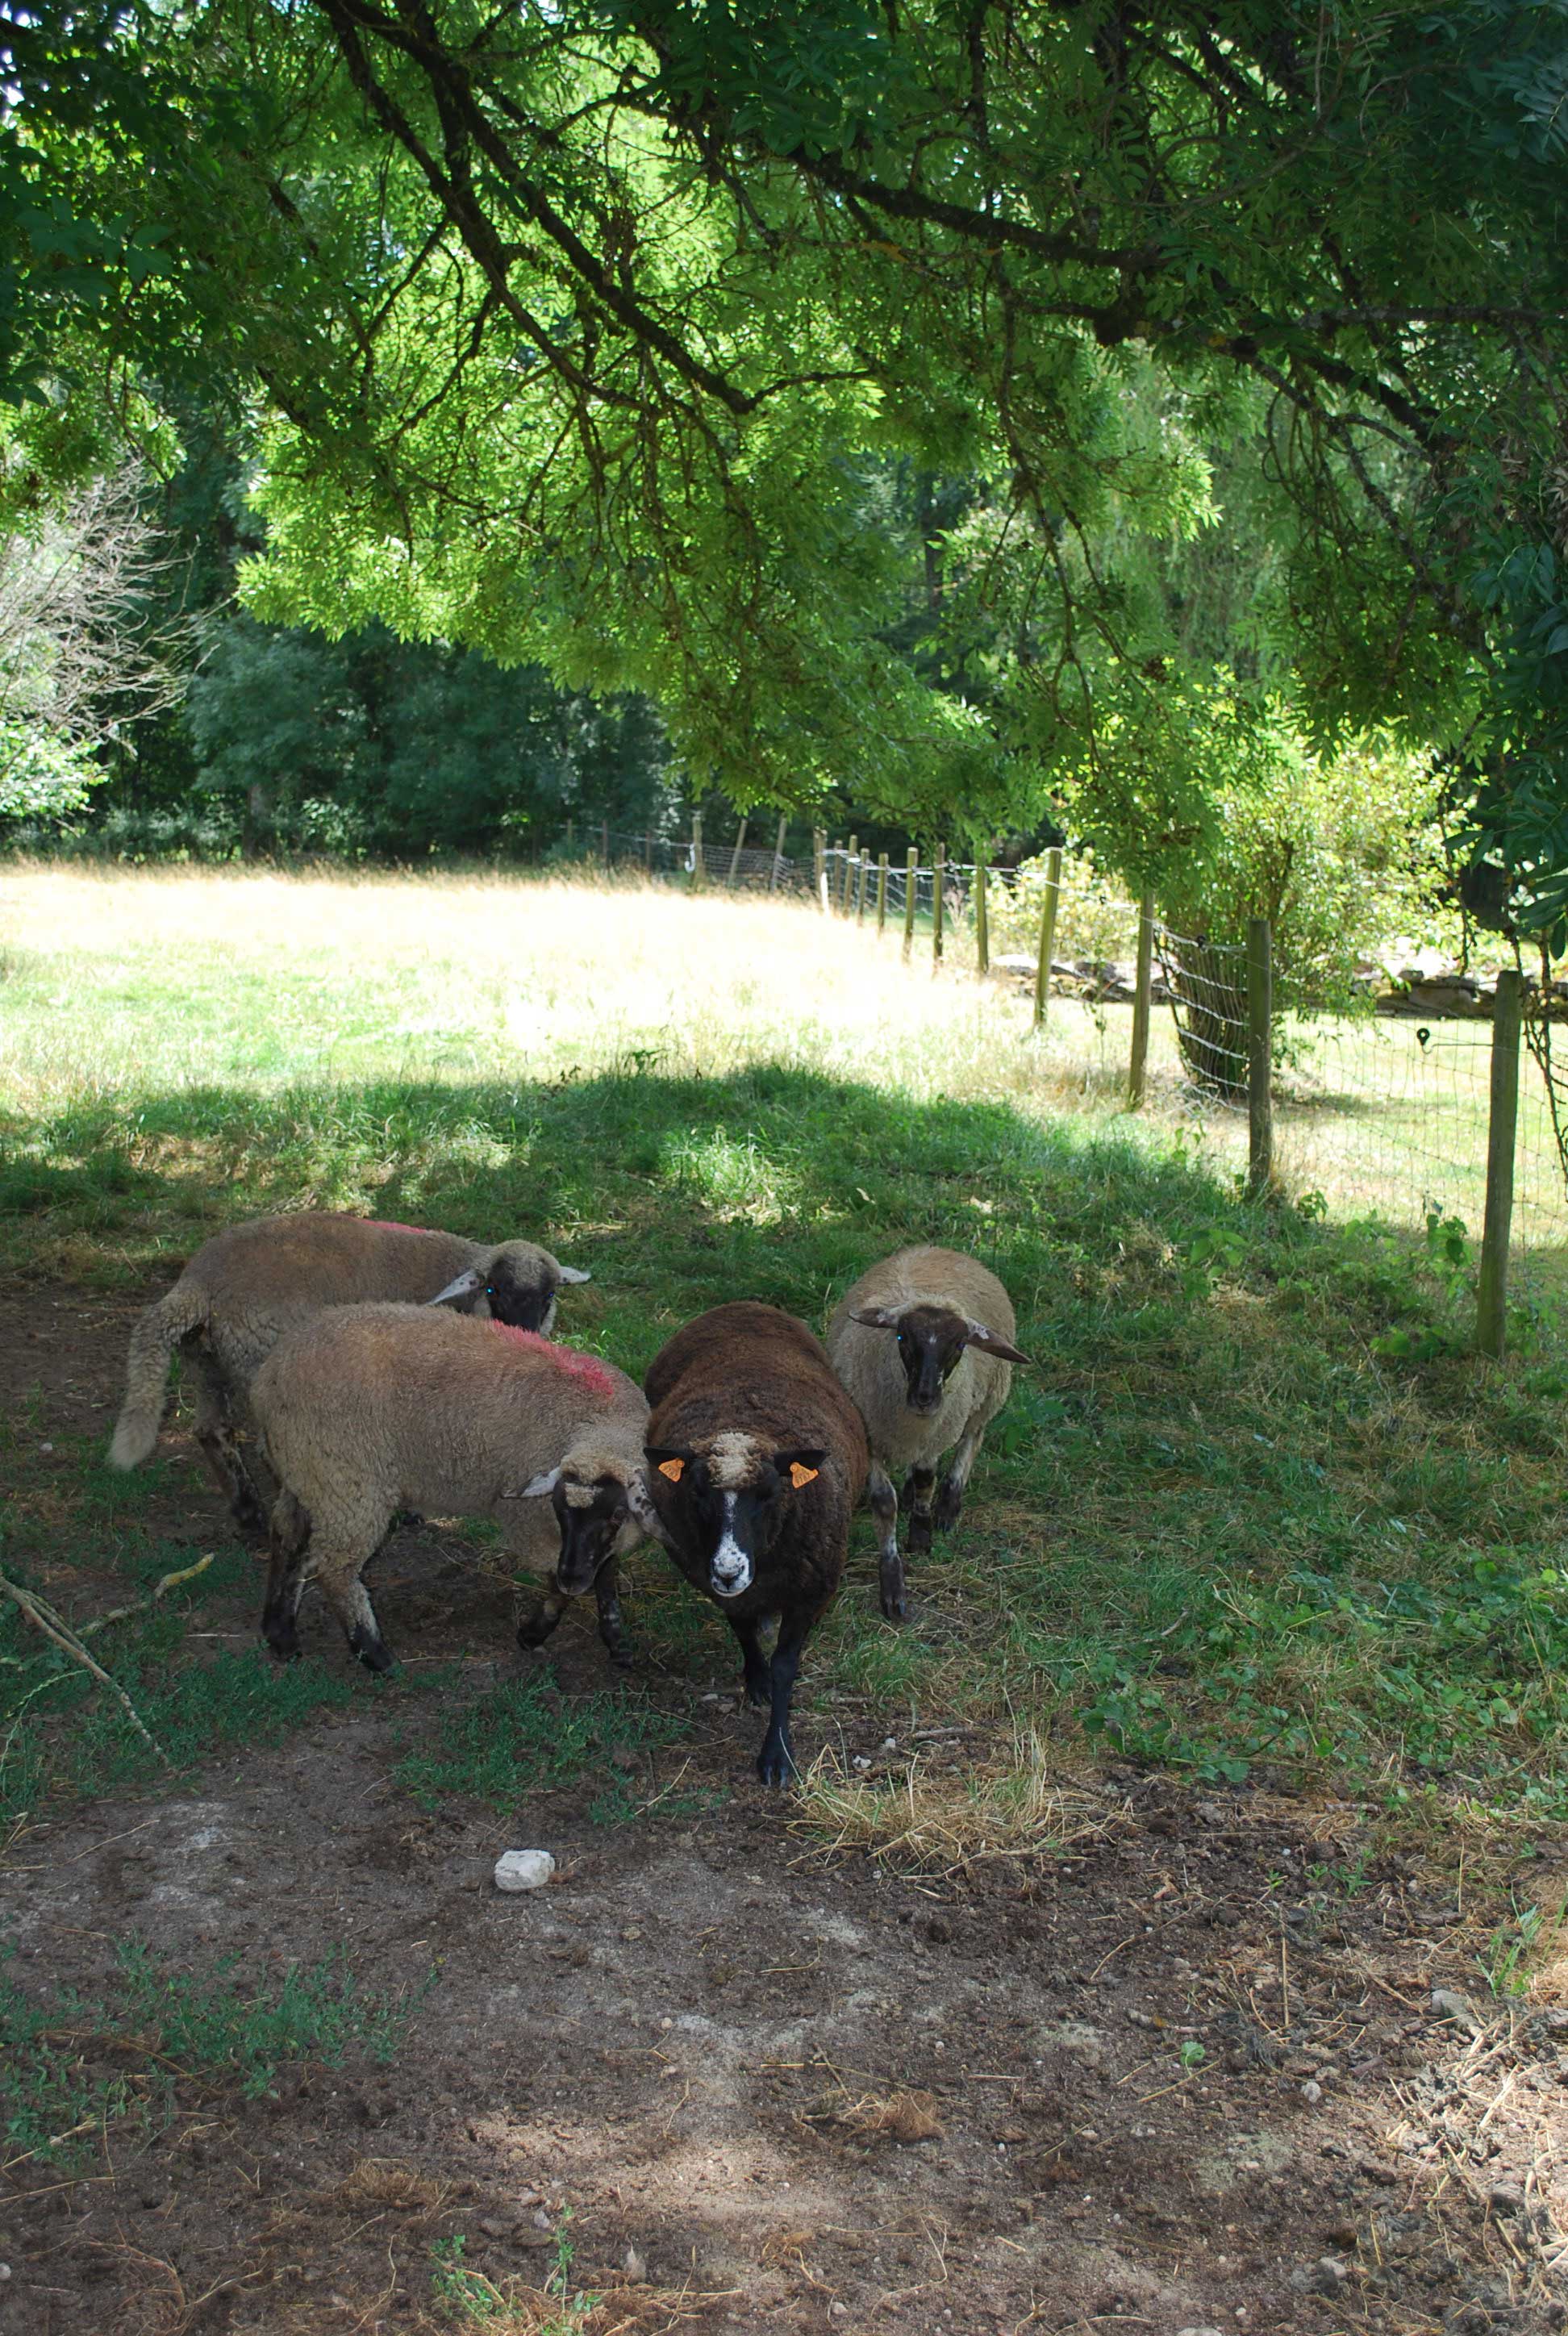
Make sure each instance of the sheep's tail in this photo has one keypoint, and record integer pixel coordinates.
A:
(157, 1332)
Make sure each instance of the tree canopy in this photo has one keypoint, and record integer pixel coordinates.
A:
(929, 394)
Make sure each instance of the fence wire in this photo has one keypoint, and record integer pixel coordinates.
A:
(1380, 1113)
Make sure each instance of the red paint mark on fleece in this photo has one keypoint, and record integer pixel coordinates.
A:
(586, 1368)
(385, 1225)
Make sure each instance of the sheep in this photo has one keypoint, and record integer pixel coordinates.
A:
(247, 1286)
(756, 1458)
(368, 1410)
(940, 1381)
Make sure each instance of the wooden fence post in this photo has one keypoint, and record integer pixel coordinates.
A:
(734, 856)
(865, 870)
(882, 893)
(1142, 985)
(820, 867)
(604, 842)
(854, 844)
(1047, 932)
(570, 826)
(939, 884)
(697, 868)
(1492, 1293)
(1259, 1055)
(911, 873)
(778, 853)
(982, 917)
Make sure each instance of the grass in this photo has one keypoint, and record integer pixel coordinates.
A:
(69, 2068)
(1254, 1511)
(525, 1737)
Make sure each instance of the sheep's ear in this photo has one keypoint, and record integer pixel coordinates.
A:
(540, 1486)
(463, 1287)
(876, 1317)
(671, 1465)
(976, 1335)
(803, 1468)
(572, 1273)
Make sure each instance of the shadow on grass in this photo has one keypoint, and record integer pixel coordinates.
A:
(1213, 1523)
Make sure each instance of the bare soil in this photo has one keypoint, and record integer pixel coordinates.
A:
(789, 2088)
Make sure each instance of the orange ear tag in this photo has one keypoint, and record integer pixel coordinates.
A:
(800, 1476)
(672, 1469)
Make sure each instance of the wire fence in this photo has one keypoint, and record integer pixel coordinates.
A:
(1379, 1113)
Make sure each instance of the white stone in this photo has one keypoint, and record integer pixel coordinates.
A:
(523, 1869)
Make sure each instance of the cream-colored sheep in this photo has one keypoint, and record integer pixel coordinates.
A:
(247, 1286)
(924, 1343)
(368, 1410)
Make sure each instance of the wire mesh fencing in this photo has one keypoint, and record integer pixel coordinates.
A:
(1378, 1112)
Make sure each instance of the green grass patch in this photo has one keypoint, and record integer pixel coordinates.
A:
(1256, 1506)
(526, 1736)
(70, 2068)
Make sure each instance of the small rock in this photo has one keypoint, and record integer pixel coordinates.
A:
(1506, 2198)
(1447, 2003)
(1200, 2331)
(937, 1931)
(1312, 2092)
(541, 2220)
(4, 2271)
(523, 1869)
(634, 2266)
(890, 1743)
(860, 1762)
(1329, 2275)
(493, 2227)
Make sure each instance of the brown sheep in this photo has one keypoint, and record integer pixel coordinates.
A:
(756, 1458)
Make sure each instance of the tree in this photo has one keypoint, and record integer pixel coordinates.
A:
(78, 657)
(587, 332)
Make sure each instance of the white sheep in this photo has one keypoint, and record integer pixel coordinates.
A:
(249, 1284)
(368, 1410)
(924, 1343)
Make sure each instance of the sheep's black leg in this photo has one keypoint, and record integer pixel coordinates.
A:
(758, 1679)
(606, 1591)
(536, 1627)
(885, 1510)
(285, 1578)
(775, 1761)
(921, 1481)
(949, 1505)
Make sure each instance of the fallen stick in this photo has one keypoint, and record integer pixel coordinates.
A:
(53, 1626)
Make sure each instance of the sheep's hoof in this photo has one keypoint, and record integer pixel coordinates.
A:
(622, 1655)
(775, 1763)
(758, 1694)
(371, 1648)
(284, 1642)
(949, 1505)
(894, 1607)
(918, 1534)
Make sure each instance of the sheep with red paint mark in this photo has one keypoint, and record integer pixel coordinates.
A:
(757, 1460)
(249, 1284)
(368, 1410)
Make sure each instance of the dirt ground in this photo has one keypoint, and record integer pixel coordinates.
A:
(778, 2087)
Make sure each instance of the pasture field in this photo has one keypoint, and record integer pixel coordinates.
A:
(1230, 1721)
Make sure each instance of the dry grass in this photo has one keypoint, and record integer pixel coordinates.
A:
(903, 2118)
(941, 1820)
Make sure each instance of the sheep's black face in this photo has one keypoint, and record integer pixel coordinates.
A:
(522, 1294)
(590, 1516)
(731, 1504)
(931, 1341)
